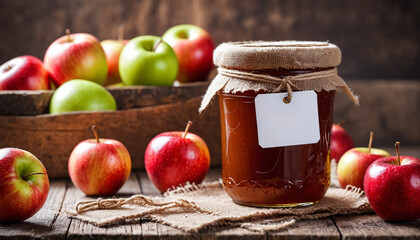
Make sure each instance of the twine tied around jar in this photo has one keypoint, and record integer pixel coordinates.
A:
(240, 80)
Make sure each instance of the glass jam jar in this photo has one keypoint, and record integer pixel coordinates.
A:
(272, 177)
(284, 176)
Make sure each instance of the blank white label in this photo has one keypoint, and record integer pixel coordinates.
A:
(285, 124)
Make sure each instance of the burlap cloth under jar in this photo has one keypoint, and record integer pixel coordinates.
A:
(199, 207)
(238, 63)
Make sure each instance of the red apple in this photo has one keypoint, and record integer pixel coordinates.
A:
(24, 185)
(174, 158)
(24, 73)
(99, 166)
(392, 187)
(193, 47)
(76, 56)
(353, 164)
(113, 50)
(341, 142)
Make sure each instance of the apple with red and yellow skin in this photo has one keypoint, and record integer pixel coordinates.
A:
(353, 164)
(392, 188)
(193, 47)
(99, 167)
(24, 73)
(112, 49)
(174, 158)
(76, 56)
(24, 185)
(341, 142)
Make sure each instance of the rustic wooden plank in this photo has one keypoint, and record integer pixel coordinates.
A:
(389, 108)
(31, 103)
(372, 227)
(308, 229)
(134, 128)
(24, 103)
(44, 224)
(146, 96)
(82, 230)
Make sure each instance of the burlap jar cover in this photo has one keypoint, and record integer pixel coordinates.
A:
(196, 207)
(236, 62)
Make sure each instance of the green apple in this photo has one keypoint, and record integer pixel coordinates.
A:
(81, 95)
(148, 60)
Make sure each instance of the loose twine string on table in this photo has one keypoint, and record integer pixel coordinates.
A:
(286, 83)
(140, 200)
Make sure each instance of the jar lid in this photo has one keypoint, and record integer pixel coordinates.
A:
(253, 55)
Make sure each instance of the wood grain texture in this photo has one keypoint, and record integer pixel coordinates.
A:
(32, 103)
(372, 227)
(305, 229)
(391, 109)
(378, 38)
(43, 225)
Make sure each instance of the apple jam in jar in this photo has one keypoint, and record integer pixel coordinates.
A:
(278, 176)
(286, 174)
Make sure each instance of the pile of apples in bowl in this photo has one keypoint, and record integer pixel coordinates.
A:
(391, 183)
(80, 66)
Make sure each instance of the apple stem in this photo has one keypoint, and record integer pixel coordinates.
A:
(8, 68)
(397, 148)
(156, 45)
(95, 133)
(187, 128)
(68, 34)
(121, 32)
(30, 174)
(370, 141)
(341, 123)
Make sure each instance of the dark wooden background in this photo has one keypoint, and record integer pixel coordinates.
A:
(379, 38)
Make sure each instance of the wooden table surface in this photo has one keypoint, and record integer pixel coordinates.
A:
(52, 223)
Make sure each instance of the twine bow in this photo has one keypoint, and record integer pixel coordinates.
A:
(137, 200)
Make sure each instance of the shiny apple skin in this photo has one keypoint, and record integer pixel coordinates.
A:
(353, 164)
(194, 48)
(24, 73)
(171, 160)
(80, 57)
(112, 49)
(341, 142)
(99, 169)
(393, 190)
(19, 198)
